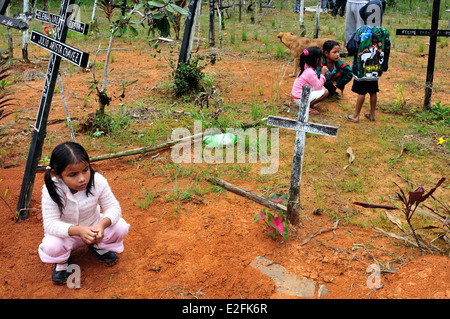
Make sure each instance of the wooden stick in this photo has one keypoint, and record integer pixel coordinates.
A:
(247, 194)
(317, 233)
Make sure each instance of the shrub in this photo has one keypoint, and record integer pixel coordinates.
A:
(188, 76)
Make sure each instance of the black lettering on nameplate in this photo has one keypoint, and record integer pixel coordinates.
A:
(73, 24)
(63, 50)
(423, 32)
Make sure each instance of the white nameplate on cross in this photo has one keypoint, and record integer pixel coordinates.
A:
(302, 127)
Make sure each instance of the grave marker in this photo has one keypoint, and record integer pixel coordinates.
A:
(269, 5)
(433, 34)
(10, 22)
(74, 25)
(59, 49)
(302, 126)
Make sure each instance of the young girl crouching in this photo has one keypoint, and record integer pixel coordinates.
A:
(310, 59)
(71, 199)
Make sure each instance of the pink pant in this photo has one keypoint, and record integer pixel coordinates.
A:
(55, 249)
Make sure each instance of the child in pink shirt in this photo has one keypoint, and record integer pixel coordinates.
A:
(309, 60)
(78, 208)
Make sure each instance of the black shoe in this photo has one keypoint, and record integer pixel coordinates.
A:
(108, 257)
(59, 277)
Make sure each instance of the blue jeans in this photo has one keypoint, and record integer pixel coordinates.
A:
(331, 4)
(297, 6)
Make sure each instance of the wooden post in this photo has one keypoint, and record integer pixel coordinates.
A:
(212, 37)
(316, 29)
(188, 36)
(10, 39)
(240, 11)
(25, 33)
(301, 19)
(94, 9)
(431, 56)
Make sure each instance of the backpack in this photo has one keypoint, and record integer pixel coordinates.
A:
(371, 58)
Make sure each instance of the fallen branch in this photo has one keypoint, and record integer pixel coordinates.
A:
(411, 242)
(141, 150)
(247, 194)
(158, 147)
(319, 232)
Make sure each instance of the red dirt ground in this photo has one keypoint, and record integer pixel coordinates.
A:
(202, 248)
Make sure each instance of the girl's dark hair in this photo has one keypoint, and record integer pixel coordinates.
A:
(329, 45)
(310, 57)
(66, 154)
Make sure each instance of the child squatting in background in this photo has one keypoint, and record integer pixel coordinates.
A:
(310, 59)
(339, 73)
(71, 199)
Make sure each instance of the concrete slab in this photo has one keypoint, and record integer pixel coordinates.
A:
(286, 283)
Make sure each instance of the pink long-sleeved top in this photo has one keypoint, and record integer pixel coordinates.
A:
(308, 77)
(80, 209)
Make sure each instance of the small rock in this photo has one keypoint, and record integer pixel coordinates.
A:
(323, 291)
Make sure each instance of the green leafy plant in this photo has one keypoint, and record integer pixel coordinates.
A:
(117, 28)
(188, 76)
(161, 13)
(410, 204)
(442, 111)
(99, 125)
(274, 224)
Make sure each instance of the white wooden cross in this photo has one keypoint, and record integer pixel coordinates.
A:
(302, 126)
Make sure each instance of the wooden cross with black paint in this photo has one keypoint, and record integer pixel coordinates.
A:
(10, 22)
(302, 126)
(74, 25)
(58, 50)
(433, 34)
